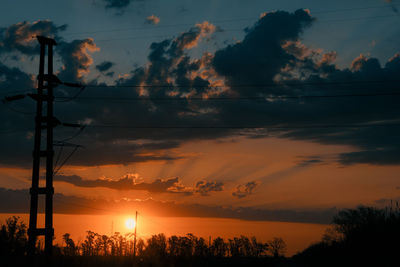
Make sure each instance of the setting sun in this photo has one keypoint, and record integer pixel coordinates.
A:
(130, 223)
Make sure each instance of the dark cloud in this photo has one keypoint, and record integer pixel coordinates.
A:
(104, 66)
(310, 161)
(373, 145)
(245, 190)
(131, 182)
(271, 53)
(125, 183)
(75, 58)
(17, 201)
(204, 187)
(120, 6)
(386, 156)
(20, 37)
(15, 118)
(122, 151)
(117, 4)
(122, 146)
(260, 56)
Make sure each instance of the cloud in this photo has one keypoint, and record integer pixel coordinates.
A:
(152, 20)
(131, 182)
(260, 56)
(15, 118)
(17, 201)
(266, 56)
(20, 37)
(245, 190)
(104, 66)
(191, 38)
(119, 5)
(385, 156)
(204, 187)
(76, 58)
(128, 182)
(312, 160)
(373, 145)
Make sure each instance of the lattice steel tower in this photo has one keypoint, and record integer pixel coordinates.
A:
(43, 122)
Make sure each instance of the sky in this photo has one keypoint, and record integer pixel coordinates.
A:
(262, 110)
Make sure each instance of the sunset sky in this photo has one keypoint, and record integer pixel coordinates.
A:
(261, 110)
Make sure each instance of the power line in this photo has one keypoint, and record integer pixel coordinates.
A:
(16, 91)
(239, 127)
(240, 30)
(56, 170)
(264, 98)
(216, 21)
(19, 111)
(259, 86)
(274, 85)
(58, 157)
(67, 99)
(14, 131)
(360, 18)
(244, 127)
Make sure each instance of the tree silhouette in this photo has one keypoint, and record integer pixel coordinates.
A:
(88, 244)
(364, 236)
(156, 246)
(70, 249)
(218, 248)
(277, 247)
(200, 248)
(13, 237)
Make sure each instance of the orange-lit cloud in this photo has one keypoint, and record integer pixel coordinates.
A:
(153, 19)
(21, 36)
(76, 58)
(131, 182)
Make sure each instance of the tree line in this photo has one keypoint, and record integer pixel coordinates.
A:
(174, 246)
(13, 240)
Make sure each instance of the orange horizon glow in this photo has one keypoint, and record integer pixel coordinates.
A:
(297, 236)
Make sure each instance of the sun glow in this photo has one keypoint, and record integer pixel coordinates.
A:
(130, 223)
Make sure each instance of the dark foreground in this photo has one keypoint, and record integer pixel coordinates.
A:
(358, 237)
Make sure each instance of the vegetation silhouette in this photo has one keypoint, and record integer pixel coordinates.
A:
(364, 236)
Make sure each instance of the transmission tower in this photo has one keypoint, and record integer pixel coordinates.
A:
(44, 98)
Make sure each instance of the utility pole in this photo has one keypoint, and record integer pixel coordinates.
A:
(47, 122)
(134, 241)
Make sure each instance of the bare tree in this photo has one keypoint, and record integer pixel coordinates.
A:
(277, 246)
